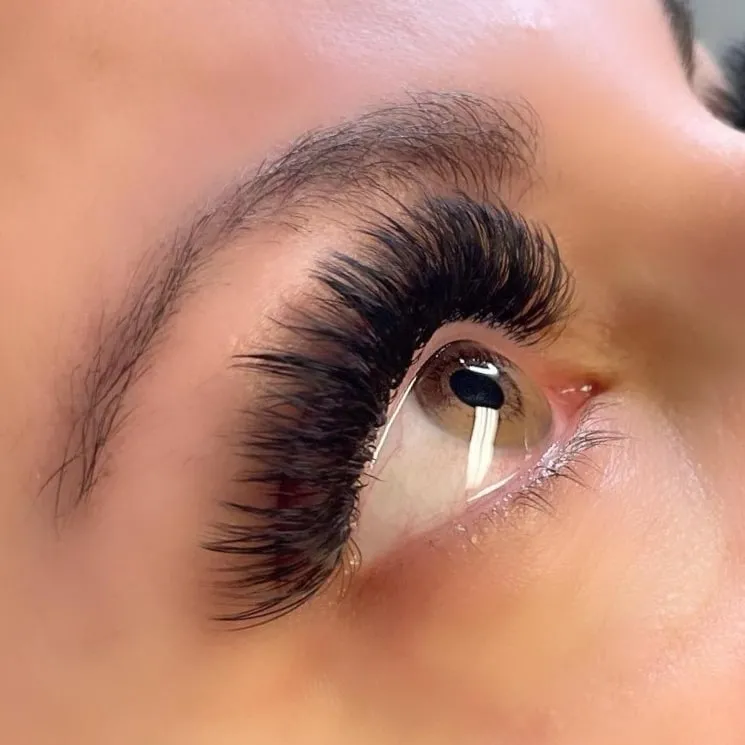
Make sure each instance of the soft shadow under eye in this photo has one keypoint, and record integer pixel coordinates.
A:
(468, 425)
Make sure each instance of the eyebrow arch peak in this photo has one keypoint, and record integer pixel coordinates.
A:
(459, 141)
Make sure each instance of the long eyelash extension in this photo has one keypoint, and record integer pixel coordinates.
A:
(345, 351)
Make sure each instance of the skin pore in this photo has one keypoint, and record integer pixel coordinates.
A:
(616, 616)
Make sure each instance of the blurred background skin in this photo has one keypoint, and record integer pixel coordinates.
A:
(719, 22)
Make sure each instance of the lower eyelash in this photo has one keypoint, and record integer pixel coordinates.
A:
(567, 463)
(564, 461)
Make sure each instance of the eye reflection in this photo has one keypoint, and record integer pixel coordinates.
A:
(468, 424)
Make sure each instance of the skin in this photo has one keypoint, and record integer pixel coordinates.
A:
(618, 618)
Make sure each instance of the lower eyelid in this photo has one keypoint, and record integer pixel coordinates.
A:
(573, 461)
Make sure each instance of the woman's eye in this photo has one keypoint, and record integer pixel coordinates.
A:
(469, 424)
(484, 401)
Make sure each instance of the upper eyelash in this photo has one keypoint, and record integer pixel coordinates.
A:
(327, 389)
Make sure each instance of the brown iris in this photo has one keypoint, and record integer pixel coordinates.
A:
(463, 378)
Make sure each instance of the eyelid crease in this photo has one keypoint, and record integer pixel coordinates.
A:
(327, 387)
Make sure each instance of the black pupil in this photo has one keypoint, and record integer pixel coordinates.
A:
(477, 390)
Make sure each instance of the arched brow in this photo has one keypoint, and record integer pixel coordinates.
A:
(453, 141)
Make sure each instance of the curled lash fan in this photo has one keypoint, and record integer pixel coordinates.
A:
(326, 389)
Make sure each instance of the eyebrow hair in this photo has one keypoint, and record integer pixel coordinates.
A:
(680, 15)
(455, 141)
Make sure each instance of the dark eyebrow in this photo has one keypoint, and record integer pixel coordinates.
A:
(680, 15)
(454, 141)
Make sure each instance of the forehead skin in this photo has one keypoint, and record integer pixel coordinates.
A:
(119, 117)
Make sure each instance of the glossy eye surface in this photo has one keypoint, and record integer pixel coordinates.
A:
(468, 425)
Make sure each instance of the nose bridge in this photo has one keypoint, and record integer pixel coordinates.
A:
(679, 284)
(702, 261)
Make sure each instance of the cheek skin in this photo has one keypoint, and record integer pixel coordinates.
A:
(612, 594)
